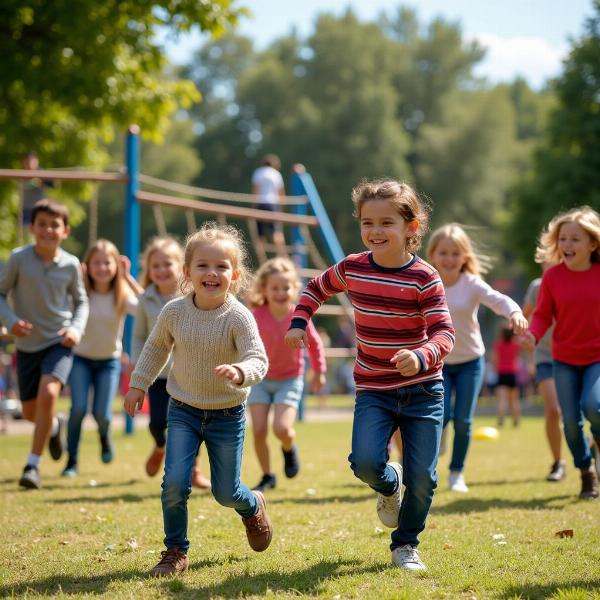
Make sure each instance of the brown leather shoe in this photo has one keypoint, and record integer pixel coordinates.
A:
(589, 484)
(173, 561)
(155, 460)
(258, 528)
(199, 480)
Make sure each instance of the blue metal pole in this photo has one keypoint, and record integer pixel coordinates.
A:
(299, 249)
(132, 229)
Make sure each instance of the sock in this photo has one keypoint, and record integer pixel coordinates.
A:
(54, 429)
(33, 460)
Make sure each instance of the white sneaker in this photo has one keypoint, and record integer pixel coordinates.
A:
(388, 507)
(456, 482)
(407, 557)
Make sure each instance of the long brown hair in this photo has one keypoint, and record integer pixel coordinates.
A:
(118, 284)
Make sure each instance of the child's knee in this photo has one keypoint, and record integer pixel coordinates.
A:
(175, 489)
(366, 468)
(283, 432)
(225, 495)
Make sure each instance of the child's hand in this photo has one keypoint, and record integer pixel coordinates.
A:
(125, 263)
(296, 338)
(70, 337)
(527, 340)
(134, 399)
(407, 362)
(230, 372)
(518, 323)
(318, 382)
(21, 328)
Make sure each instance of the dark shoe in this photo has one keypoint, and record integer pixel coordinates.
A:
(30, 478)
(258, 528)
(71, 469)
(291, 462)
(173, 561)
(268, 482)
(589, 484)
(154, 461)
(557, 472)
(56, 444)
(107, 450)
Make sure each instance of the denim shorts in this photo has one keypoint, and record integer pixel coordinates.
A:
(274, 391)
(56, 360)
(543, 371)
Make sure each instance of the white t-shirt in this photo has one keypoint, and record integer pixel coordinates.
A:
(268, 182)
(464, 298)
(102, 337)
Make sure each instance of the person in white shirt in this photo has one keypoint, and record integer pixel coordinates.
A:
(267, 184)
(451, 252)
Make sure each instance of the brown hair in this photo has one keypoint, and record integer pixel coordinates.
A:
(228, 235)
(168, 245)
(475, 262)
(403, 198)
(585, 216)
(274, 266)
(271, 160)
(118, 284)
(52, 208)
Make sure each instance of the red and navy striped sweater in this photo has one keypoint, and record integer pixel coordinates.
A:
(394, 309)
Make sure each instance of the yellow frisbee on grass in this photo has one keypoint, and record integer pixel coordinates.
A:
(486, 434)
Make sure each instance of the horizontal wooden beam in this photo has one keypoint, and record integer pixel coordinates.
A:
(228, 211)
(51, 175)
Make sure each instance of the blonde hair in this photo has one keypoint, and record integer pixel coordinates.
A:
(212, 233)
(274, 266)
(403, 198)
(475, 263)
(118, 284)
(170, 246)
(585, 216)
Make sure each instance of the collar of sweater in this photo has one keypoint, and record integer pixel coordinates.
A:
(209, 315)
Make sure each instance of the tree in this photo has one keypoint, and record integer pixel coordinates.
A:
(73, 72)
(566, 166)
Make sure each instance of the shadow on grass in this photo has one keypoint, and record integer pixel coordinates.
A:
(508, 482)
(106, 499)
(467, 505)
(323, 499)
(540, 591)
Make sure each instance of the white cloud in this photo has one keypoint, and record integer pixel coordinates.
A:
(533, 58)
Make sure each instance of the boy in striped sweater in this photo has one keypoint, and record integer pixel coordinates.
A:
(403, 330)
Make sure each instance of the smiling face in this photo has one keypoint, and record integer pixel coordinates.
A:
(448, 259)
(102, 269)
(164, 271)
(575, 246)
(211, 272)
(280, 292)
(384, 232)
(49, 232)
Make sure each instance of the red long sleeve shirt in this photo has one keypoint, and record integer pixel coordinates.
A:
(572, 299)
(394, 309)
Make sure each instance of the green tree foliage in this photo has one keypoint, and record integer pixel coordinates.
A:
(74, 72)
(566, 165)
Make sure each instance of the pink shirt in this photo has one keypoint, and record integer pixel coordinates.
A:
(284, 362)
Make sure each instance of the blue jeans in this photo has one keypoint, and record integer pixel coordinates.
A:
(223, 432)
(465, 379)
(418, 410)
(578, 390)
(103, 376)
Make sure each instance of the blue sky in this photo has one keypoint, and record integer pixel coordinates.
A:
(523, 37)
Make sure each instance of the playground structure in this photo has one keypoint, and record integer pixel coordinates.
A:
(304, 195)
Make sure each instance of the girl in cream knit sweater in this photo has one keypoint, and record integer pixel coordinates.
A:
(217, 355)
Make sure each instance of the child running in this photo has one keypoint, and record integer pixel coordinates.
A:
(403, 330)
(217, 355)
(505, 357)
(112, 293)
(274, 291)
(51, 310)
(453, 254)
(162, 264)
(570, 297)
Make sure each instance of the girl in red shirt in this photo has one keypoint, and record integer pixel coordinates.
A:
(273, 297)
(570, 296)
(506, 363)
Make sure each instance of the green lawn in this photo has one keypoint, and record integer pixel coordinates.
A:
(97, 535)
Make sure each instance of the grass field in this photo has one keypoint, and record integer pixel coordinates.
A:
(97, 536)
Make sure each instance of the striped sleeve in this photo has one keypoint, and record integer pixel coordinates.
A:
(318, 291)
(440, 332)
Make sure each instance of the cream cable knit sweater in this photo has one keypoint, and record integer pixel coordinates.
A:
(200, 340)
